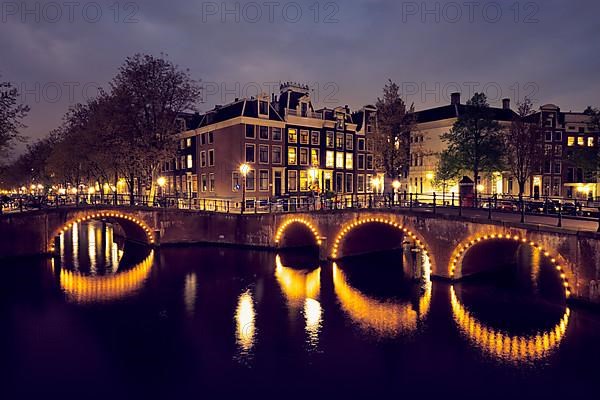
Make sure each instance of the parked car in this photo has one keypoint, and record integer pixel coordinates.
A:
(507, 206)
(569, 208)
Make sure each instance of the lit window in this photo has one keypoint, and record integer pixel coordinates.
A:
(349, 161)
(303, 181)
(314, 157)
(190, 162)
(339, 160)
(329, 140)
(292, 156)
(292, 135)
(570, 141)
(188, 142)
(590, 141)
(303, 137)
(329, 159)
(339, 141)
(580, 140)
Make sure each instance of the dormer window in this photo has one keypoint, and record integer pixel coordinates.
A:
(263, 107)
(303, 109)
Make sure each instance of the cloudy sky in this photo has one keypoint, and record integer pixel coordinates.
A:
(58, 52)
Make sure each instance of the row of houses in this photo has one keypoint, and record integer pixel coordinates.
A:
(294, 150)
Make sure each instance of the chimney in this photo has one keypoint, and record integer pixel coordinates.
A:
(455, 98)
(506, 104)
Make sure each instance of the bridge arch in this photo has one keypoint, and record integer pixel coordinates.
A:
(346, 229)
(456, 260)
(283, 228)
(134, 227)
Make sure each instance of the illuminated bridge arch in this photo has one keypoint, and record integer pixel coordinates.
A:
(354, 224)
(456, 260)
(283, 228)
(135, 228)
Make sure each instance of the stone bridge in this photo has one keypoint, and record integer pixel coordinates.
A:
(445, 239)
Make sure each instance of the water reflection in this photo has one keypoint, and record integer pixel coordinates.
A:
(189, 293)
(504, 345)
(96, 275)
(385, 318)
(245, 324)
(301, 288)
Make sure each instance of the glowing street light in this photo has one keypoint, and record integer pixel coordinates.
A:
(376, 183)
(162, 181)
(244, 169)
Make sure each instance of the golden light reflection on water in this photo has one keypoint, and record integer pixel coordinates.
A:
(385, 318)
(503, 345)
(301, 288)
(83, 289)
(189, 293)
(245, 317)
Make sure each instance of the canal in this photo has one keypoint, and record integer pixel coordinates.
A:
(109, 319)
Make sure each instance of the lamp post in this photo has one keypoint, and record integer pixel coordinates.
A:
(244, 169)
(161, 181)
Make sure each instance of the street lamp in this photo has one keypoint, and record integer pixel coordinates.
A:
(396, 185)
(162, 181)
(376, 183)
(244, 169)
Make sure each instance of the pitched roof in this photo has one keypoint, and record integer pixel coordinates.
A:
(456, 110)
(239, 108)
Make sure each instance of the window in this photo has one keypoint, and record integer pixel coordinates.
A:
(303, 137)
(547, 167)
(292, 160)
(349, 161)
(314, 157)
(339, 160)
(263, 107)
(292, 181)
(211, 158)
(557, 136)
(203, 158)
(292, 135)
(190, 161)
(570, 141)
(369, 161)
(329, 139)
(349, 182)
(276, 156)
(329, 159)
(203, 139)
(368, 187)
(315, 138)
(250, 180)
(360, 183)
(360, 143)
(276, 134)
(211, 138)
(250, 133)
(370, 145)
(548, 149)
(339, 141)
(188, 142)
(556, 187)
(263, 154)
(339, 182)
(235, 181)
(263, 180)
(303, 180)
(263, 133)
(580, 140)
(590, 141)
(340, 122)
(250, 156)
(182, 162)
(211, 182)
(548, 135)
(361, 161)
(557, 165)
(303, 156)
(349, 142)
(204, 183)
(558, 150)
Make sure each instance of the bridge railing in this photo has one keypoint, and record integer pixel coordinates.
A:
(482, 206)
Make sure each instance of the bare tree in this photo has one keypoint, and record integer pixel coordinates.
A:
(12, 114)
(523, 146)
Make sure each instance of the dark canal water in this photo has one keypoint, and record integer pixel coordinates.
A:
(110, 320)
